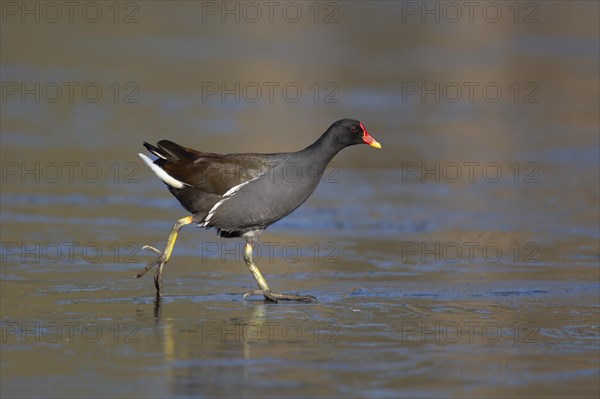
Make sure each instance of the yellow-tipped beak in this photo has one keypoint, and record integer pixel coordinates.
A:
(368, 139)
(375, 144)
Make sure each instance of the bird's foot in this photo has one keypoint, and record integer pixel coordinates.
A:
(160, 261)
(272, 296)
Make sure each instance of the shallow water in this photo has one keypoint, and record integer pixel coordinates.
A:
(461, 260)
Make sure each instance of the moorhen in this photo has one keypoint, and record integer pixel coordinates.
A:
(240, 195)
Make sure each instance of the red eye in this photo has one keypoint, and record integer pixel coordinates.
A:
(353, 128)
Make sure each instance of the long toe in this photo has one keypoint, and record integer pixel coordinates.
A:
(288, 297)
(253, 293)
(272, 296)
(156, 262)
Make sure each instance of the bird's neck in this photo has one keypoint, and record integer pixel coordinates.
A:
(323, 150)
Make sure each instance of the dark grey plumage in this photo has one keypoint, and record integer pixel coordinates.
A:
(238, 193)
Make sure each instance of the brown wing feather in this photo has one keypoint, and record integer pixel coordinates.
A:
(206, 171)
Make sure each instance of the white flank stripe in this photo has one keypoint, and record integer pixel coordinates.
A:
(162, 175)
(212, 211)
(234, 189)
(226, 196)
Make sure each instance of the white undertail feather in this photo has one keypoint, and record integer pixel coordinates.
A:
(162, 175)
(226, 196)
(158, 155)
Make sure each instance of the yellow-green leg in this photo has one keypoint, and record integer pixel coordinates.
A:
(163, 257)
(262, 283)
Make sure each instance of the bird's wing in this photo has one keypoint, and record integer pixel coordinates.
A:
(205, 171)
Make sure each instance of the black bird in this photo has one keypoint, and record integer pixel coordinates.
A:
(240, 195)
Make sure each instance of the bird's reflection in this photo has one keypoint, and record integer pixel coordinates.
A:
(157, 310)
(230, 331)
